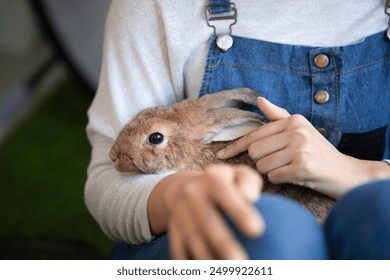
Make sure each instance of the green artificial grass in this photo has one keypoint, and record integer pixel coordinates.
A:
(43, 170)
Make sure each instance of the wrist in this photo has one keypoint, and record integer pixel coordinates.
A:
(369, 170)
(162, 199)
(377, 169)
(351, 173)
(157, 208)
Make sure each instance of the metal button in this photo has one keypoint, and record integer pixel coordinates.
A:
(322, 131)
(224, 42)
(321, 97)
(321, 61)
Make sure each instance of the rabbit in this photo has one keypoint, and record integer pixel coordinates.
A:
(188, 134)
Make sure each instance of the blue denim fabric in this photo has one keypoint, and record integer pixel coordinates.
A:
(219, 6)
(291, 233)
(358, 227)
(357, 79)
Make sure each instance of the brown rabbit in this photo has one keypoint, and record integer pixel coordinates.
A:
(187, 135)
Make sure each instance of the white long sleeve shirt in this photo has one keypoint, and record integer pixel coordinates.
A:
(154, 54)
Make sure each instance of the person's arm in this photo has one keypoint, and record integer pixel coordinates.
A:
(135, 74)
(290, 150)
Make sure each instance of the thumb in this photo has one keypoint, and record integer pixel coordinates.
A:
(271, 111)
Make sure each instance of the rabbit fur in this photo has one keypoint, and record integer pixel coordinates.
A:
(188, 134)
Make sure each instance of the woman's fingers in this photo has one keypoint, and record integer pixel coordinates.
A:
(199, 249)
(242, 144)
(248, 182)
(197, 226)
(244, 216)
(187, 238)
(219, 237)
(271, 111)
(267, 146)
(274, 161)
(176, 241)
(224, 193)
(202, 233)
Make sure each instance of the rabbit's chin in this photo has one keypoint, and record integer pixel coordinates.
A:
(134, 170)
(129, 169)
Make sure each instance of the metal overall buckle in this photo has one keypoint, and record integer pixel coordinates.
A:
(387, 11)
(224, 41)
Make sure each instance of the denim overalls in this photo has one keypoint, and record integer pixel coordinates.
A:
(343, 91)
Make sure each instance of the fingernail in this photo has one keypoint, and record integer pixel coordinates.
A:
(259, 226)
(256, 226)
(220, 154)
(262, 225)
(260, 98)
(252, 194)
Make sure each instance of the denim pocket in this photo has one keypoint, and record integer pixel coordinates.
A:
(367, 145)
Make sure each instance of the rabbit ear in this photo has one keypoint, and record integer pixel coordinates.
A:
(227, 124)
(230, 98)
(223, 121)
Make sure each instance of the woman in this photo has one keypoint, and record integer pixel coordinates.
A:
(322, 68)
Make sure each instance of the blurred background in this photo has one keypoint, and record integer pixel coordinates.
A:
(50, 55)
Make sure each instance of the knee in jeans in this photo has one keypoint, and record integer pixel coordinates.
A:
(358, 225)
(371, 199)
(291, 232)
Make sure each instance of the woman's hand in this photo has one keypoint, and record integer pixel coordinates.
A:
(290, 150)
(194, 203)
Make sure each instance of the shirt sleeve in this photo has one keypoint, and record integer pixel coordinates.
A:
(135, 74)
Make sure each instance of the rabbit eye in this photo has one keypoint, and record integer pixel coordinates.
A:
(156, 138)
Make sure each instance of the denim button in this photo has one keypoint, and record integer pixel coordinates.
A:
(321, 97)
(322, 131)
(321, 61)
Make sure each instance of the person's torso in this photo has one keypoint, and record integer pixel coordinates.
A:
(344, 91)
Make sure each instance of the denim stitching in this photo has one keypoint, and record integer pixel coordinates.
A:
(366, 65)
(304, 71)
(337, 88)
(211, 65)
(266, 68)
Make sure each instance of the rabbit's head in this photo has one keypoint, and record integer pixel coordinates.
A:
(177, 137)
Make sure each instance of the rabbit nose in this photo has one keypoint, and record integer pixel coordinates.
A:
(113, 154)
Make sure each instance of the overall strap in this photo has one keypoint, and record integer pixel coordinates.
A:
(221, 10)
(219, 6)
